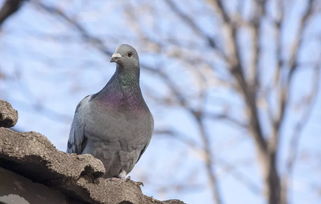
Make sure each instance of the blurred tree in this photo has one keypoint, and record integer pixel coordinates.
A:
(232, 67)
(8, 8)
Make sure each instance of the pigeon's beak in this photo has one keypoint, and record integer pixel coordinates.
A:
(115, 57)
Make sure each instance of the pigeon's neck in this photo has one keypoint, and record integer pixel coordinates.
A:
(127, 83)
(122, 90)
(127, 78)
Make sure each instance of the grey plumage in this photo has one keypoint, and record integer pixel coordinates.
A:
(115, 124)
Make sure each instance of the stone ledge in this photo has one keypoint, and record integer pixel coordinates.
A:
(78, 177)
(8, 115)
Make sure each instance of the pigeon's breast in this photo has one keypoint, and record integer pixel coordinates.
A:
(122, 124)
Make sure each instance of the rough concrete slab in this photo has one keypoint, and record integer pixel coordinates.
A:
(78, 177)
(8, 115)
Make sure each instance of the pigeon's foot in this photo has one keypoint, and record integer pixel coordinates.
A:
(122, 175)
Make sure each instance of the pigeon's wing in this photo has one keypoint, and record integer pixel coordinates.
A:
(150, 131)
(77, 139)
(141, 153)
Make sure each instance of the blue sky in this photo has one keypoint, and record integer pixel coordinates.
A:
(48, 63)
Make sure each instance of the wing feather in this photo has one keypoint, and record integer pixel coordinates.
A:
(77, 139)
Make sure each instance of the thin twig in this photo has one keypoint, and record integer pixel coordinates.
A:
(9, 7)
(298, 128)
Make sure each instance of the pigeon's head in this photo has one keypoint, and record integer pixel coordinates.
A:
(125, 56)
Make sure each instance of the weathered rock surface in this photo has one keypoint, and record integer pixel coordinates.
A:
(69, 178)
(27, 190)
(8, 115)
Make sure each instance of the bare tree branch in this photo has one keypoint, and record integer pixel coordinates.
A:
(209, 160)
(94, 41)
(8, 8)
(236, 70)
(231, 169)
(239, 176)
(190, 22)
(178, 136)
(278, 27)
(219, 8)
(285, 89)
(298, 128)
(257, 35)
(297, 44)
(228, 118)
(266, 159)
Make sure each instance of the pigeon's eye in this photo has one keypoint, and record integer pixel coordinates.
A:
(129, 54)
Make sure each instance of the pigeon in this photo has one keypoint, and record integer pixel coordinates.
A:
(114, 125)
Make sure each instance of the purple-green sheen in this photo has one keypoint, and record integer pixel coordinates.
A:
(115, 124)
(122, 91)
